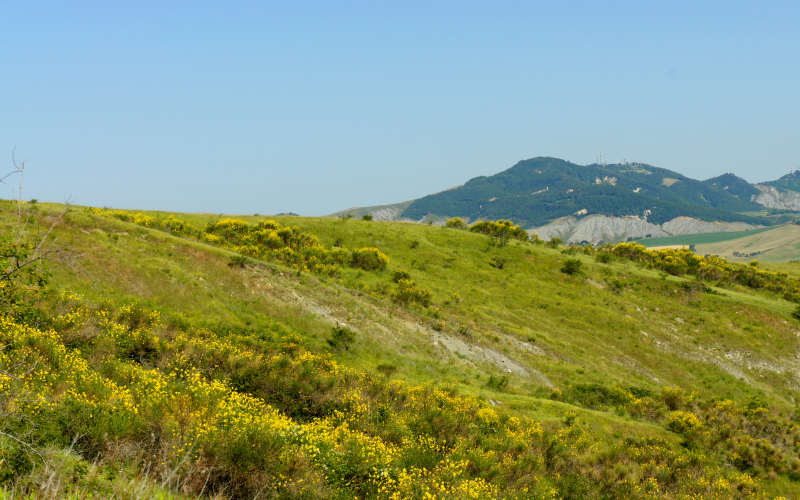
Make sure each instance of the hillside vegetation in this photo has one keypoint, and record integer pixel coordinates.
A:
(768, 244)
(789, 182)
(701, 238)
(185, 355)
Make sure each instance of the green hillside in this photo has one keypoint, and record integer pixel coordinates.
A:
(533, 192)
(768, 244)
(192, 355)
(700, 238)
(778, 244)
(733, 185)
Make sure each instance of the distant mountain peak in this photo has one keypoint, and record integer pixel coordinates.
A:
(790, 181)
(538, 190)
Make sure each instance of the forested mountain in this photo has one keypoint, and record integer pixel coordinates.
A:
(789, 182)
(536, 191)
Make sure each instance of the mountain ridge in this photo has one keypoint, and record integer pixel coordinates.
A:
(538, 191)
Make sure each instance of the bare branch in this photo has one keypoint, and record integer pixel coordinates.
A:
(23, 443)
(17, 167)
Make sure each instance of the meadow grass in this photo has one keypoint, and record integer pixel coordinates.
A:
(588, 356)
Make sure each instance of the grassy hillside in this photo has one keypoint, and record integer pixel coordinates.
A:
(768, 244)
(187, 354)
(701, 238)
(779, 244)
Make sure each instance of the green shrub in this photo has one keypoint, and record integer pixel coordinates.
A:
(571, 266)
(386, 369)
(408, 292)
(597, 397)
(497, 262)
(369, 259)
(175, 225)
(341, 338)
(455, 223)
(555, 242)
(673, 397)
(497, 383)
(503, 229)
(366, 217)
(604, 257)
(400, 275)
(683, 422)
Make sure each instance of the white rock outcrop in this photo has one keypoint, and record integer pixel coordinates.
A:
(689, 225)
(770, 197)
(608, 229)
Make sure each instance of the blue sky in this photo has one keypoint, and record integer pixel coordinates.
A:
(316, 107)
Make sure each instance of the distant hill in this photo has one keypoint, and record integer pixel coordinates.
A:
(560, 195)
(378, 212)
(733, 185)
(779, 244)
(789, 182)
(768, 244)
(534, 192)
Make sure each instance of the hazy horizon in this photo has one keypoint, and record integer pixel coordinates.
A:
(321, 107)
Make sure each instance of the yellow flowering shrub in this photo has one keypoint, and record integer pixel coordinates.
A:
(709, 268)
(234, 413)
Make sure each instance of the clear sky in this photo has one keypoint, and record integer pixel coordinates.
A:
(316, 107)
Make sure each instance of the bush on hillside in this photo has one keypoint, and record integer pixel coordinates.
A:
(455, 223)
(408, 292)
(604, 257)
(175, 225)
(555, 242)
(710, 268)
(497, 262)
(400, 275)
(369, 259)
(504, 229)
(341, 337)
(571, 266)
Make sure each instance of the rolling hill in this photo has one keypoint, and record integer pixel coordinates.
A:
(186, 355)
(778, 244)
(768, 244)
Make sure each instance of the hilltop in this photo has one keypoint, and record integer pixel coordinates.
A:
(625, 200)
(181, 355)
